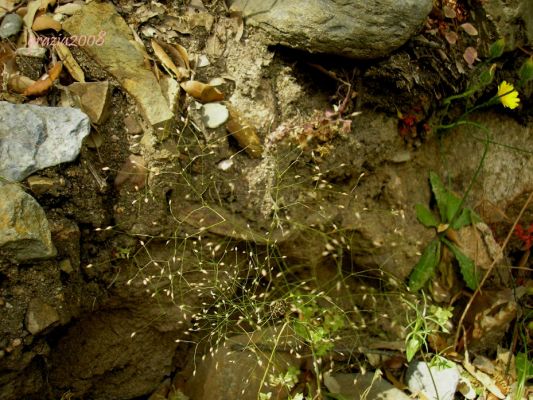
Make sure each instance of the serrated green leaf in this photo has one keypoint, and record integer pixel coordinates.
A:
(466, 265)
(425, 216)
(425, 267)
(447, 202)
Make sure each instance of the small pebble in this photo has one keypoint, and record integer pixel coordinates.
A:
(10, 25)
(214, 114)
(16, 342)
(224, 165)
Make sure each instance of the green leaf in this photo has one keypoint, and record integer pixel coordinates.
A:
(413, 345)
(526, 71)
(463, 219)
(466, 265)
(301, 330)
(425, 216)
(524, 367)
(496, 49)
(447, 202)
(425, 267)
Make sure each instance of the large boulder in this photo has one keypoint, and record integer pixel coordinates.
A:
(24, 232)
(358, 29)
(35, 137)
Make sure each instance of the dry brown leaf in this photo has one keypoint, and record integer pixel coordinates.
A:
(70, 63)
(449, 12)
(45, 3)
(39, 88)
(162, 51)
(451, 37)
(19, 83)
(54, 72)
(42, 86)
(202, 92)
(44, 22)
(470, 29)
(470, 55)
(238, 24)
(244, 133)
(33, 6)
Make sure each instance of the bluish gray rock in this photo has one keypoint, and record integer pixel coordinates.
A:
(24, 232)
(35, 137)
(354, 28)
(436, 383)
(10, 25)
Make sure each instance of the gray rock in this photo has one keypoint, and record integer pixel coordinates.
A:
(513, 20)
(121, 57)
(40, 316)
(10, 25)
(34, 137)
(359, 386)
(353, 28)
(435, 383)
(24, 232)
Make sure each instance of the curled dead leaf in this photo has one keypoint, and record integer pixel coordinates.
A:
(54, 72)
(42, 86)
(70, 63)
(44, 22)
(469, 28)
(168, 56)
(202, 92)
(244, 133)
(19, 83)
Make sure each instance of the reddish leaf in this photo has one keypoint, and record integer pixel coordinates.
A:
(470, 55)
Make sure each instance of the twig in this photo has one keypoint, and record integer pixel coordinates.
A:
(476, 292)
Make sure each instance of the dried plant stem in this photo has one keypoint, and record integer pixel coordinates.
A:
(489, 271)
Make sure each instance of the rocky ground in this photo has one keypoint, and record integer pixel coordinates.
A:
(233, 212)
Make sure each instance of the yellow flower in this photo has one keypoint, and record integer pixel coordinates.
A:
(508, 95)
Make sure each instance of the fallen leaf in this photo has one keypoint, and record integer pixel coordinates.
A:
(68, 9)
(244, 133)
(33, 6)
(165, 60)
(451, 37)
(470, 29)
(70, 63)
(44, 22)
(470, 55)
(45, 3)
(42, 86)
(54, 72)
(19, 83)
(449, 12)
(202, 92)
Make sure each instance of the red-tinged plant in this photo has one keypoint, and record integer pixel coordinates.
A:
(525, 235)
